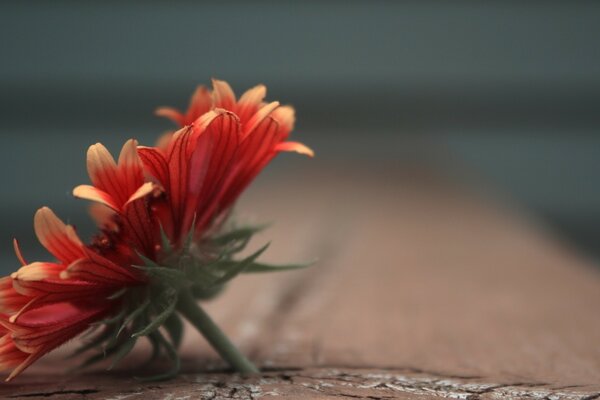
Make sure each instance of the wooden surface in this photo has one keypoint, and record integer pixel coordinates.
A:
(423, 289)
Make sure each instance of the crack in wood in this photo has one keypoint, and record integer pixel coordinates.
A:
(319, 382)
(82, 392)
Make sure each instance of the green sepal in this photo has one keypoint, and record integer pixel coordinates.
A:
(168, 274)
(173, 356)
(239, 234)
(174, 327)
(165, 242)
(170, 298)
(112, 320)
(96, 358)
(124, 349)
(95, 342)
(257, 267)
(202, 293)
(240, 266)
(152, 338)
(189, 239)
(133, 315)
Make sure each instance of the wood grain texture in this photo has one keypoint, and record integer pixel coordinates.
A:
(423, 289)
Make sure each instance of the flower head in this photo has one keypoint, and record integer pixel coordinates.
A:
(162, 236)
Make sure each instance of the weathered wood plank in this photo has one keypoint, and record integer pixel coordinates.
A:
(423, 289)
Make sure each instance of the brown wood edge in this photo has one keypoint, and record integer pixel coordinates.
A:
(302, 383)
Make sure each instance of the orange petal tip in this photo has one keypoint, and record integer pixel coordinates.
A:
(296, 147)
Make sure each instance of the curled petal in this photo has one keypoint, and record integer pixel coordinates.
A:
(250, 102)
(37, 271)
(223, 96)
(200, 103)
(257, 118)
(88, 192)
(286, 116)
(295, 146)
(60, 239)
(162, 143)
(18, 252)
(171, 114)
(141, 192)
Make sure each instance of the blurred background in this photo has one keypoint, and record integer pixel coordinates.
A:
(505, 92)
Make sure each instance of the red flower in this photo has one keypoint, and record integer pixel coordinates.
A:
(47, 303)
(241, 136)
(149, 205)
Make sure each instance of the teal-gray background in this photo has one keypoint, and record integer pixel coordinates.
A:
(508, 90)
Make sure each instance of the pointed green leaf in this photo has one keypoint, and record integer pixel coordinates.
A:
(261, 267)
(94, 342)
(133, 315)
(169, 274)
(187, 244)
(236, 235)
(165, 242)
(124, 349)
(147, 262)
(95, 358)
(171, 302)
(206, 293)
(257, 267)
(172, 354)
(174, 327)
(111, 320)
(240, 266)
(155, 342)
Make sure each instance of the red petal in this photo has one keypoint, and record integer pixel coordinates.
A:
(130, 169)
(295, 146)
(212, 159)
(177, 158)
(255, 151)
(155, 164)
(18, 252)
(88, 192)
(286, 117)
(200, 103)
(43, 329)
(223, 96)
(250, 102)
(141, 227)
(101, 270)
(171, 114)
(257, 118)
(118, 181)
(10, 300)
(60, 239)
(104, 217)
(102, 170)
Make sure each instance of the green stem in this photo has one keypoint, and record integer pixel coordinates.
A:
(191, 310)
